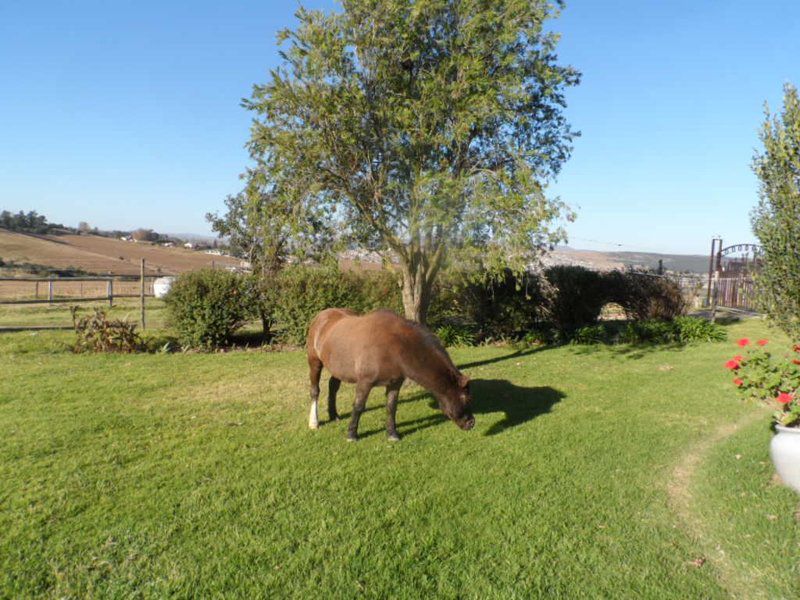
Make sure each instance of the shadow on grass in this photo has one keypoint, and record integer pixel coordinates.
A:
(629, 351)
(519, 405)
(497, 359)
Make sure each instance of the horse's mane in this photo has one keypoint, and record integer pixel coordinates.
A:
(435, 343)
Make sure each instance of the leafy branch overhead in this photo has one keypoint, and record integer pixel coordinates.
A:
(420, 128)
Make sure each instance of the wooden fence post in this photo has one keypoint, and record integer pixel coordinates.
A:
(142, 294)
(50, 290)
(37, 290)
(110, 290)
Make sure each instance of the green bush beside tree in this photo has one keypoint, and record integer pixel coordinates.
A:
(206, 307)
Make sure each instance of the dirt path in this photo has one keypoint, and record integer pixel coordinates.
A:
(736, 580)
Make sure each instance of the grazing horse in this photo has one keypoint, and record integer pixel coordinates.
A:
(382, 349)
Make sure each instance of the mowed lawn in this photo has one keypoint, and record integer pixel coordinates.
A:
(591, 472)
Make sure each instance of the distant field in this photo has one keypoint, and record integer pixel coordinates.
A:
(100, 255)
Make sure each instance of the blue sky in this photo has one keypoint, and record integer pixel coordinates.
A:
(126, 114)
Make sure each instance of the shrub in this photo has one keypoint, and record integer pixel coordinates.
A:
(774, 380)
(682, 330)
(591, 334)
(98, 333)
(302, 291)
(492, 308)
(645, 296)
(695, 329)
(206, 307)
(455, 335)
(775, 219)
(648, 332)
(574, 299)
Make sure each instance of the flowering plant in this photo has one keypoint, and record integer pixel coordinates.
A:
(760, 375)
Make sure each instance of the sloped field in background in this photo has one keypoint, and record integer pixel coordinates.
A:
(101, 255)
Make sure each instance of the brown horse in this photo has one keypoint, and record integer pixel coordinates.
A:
(382, 349)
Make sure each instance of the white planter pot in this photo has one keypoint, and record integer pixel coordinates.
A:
(161, 286)
(785, 452)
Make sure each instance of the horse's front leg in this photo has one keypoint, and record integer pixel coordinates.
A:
(314, 373)
(362, 393)
(392, 394)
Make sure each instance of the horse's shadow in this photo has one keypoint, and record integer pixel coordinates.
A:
(489, 396)
(520, 404)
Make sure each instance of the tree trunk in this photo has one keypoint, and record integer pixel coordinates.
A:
(266, 323)
(416, 293)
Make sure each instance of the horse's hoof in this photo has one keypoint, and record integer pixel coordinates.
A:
(333, 418)
(352, 438)
(394, 438)
(313, 427)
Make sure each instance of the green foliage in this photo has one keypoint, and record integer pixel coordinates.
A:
(560, 301)
(648, 332)
(98, 333)
(682, 330)
(301, 292)
(30, 222)
(591, 334)
(776, 219)
(452, 335)
(206, 307)
(420, 128)
(574, 298)
(775, 380)
(645, 296)
(492, 307)
(695, 329)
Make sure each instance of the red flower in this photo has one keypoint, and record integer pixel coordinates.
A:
(732, 364)
(784, 398)
(738, 357)
(738, 381)
(796, 361)
(796, 347)
(762, 342)
(744, 342)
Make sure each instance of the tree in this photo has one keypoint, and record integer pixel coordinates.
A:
(144, 235)
(421, 128)
(31, 222)
(84, 227)
(776, 218)
(259, 226)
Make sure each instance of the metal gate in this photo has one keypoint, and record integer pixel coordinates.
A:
(731, 273)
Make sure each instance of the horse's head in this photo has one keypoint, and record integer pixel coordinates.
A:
(456, 403)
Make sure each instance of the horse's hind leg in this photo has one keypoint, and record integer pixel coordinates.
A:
(314, 372)
(362, 393)
(333, 388)
(392, 393)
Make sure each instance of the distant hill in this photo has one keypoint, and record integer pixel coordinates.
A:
(595, 259)
(96, 254)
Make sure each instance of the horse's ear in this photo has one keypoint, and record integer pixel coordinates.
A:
(463, 380)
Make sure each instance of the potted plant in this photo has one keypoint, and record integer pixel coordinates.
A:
(760, 375)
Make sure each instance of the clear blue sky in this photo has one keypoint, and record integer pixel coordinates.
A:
(126, 113)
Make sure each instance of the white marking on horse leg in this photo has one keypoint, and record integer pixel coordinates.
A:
(313, 418)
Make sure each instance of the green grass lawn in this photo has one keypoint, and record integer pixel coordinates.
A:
(589, 474)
